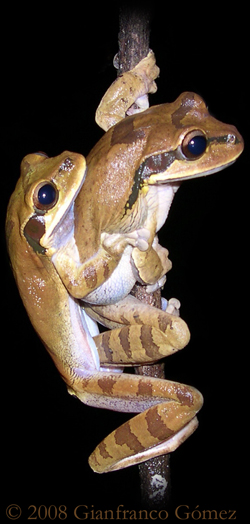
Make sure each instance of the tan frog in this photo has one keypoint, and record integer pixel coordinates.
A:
(132, 175)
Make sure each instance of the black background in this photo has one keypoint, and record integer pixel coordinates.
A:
(56, 65)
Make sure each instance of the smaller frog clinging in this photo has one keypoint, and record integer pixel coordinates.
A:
(80, 233)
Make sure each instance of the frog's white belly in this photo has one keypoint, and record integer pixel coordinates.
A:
(118, 285)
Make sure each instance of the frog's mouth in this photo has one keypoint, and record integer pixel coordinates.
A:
(163, 178)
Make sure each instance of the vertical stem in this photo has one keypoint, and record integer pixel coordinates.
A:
(155, 478)
(133, 41)
(133, 37)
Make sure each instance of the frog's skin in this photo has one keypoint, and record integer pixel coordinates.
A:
(132, 175)
(128, 94)
(49, 229)
(71, 337)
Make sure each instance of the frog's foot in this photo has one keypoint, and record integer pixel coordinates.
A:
(116, 242)
(128, 93)
(113, 243)
(146, 68)
(151, 288)
(171, 306)
(139, 238)
(152, 265)
(141, 104)
(148, 71)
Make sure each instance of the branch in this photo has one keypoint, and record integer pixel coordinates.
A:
(133, 41)
(133, 37)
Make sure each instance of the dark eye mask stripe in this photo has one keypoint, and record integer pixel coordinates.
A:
(157, 164)
(223, 139)
(33, 232)
(153, 164)
(160, 163)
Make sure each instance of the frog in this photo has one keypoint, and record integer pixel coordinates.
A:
(133, 174)
(42, 206)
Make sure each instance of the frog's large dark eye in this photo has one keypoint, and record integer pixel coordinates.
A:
(45, 196)
(194, 145)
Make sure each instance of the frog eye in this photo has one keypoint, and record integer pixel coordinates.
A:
(45, 196)
(194, 145)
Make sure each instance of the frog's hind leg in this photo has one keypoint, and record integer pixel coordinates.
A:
(138, 334)
(167, 416)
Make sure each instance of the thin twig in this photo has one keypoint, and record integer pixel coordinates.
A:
(133, 38)
(134, 46)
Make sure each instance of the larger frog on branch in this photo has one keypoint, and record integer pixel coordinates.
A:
(79, 238)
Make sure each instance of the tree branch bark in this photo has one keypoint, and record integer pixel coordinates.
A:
(133, 37)
(133, 42)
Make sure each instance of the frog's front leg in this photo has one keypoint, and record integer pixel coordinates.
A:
(152, 265)
(111, 272)
(167, 416)
(82, 278)
(126, 90)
